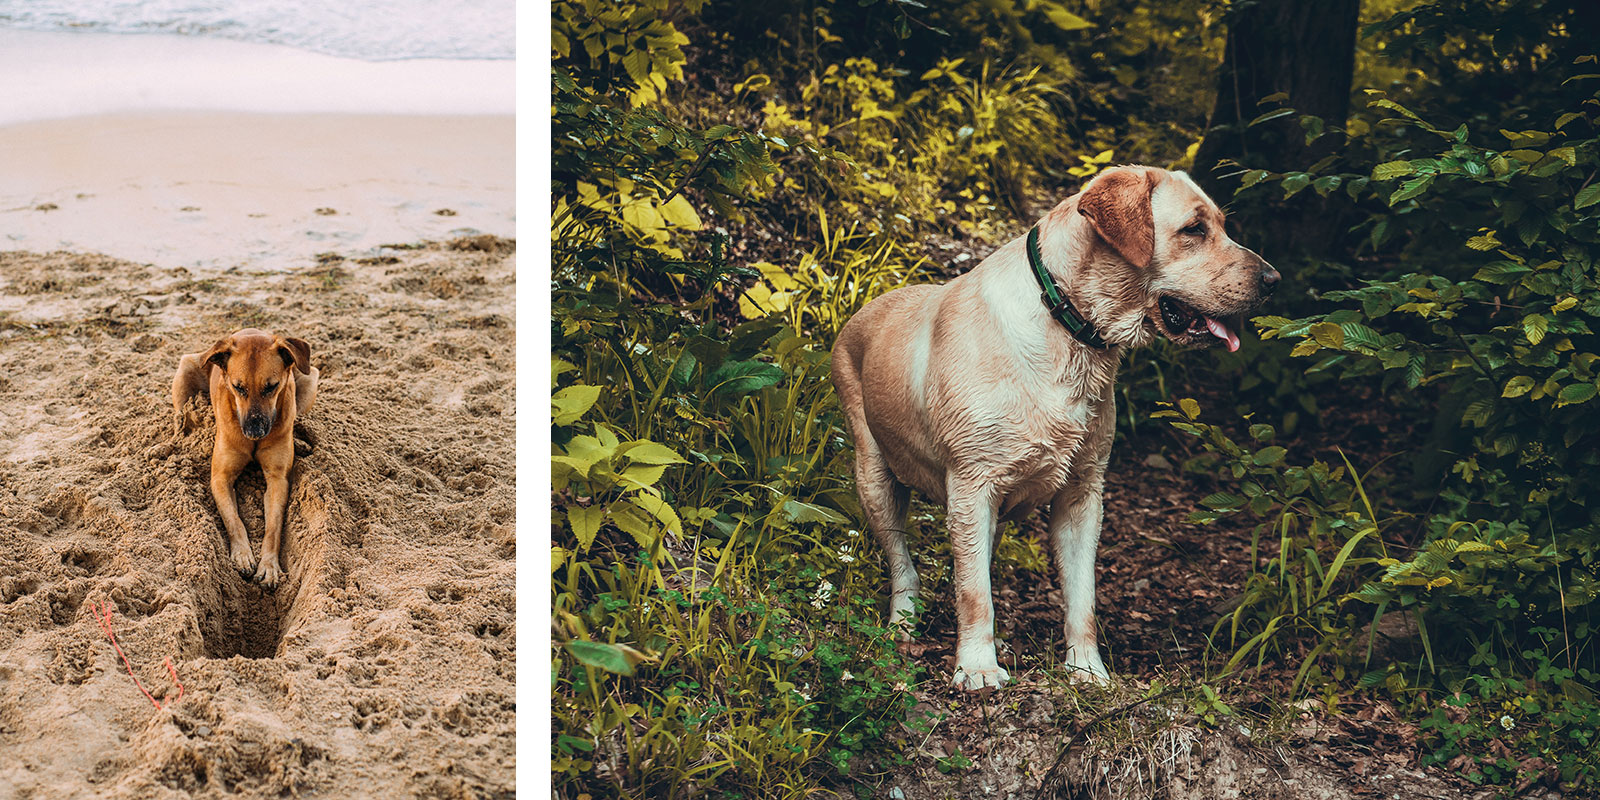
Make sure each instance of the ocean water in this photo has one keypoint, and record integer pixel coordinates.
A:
(370, 30)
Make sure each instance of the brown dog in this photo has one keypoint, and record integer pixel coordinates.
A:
(259, 384)
(979, 394)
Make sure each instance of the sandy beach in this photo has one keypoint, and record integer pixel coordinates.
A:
(383, 665)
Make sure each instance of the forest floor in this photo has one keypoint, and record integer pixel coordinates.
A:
(383, 665)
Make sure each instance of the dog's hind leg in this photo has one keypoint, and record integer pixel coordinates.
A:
(192, 378)
(884, 501)
(305, 391)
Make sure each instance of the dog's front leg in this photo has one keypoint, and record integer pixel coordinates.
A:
(226, 464)
(971, 519)
(275, 465)
(1075, 517)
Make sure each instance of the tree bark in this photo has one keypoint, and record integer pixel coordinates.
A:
(1304, 49)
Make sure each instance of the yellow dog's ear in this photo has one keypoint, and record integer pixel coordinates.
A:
(295, 352)
(219, 353)
(1117, 203)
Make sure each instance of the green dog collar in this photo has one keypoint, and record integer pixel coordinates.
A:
(1056, 302)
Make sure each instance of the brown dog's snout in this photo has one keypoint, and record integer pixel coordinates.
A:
(1269, 278)
(256, 424)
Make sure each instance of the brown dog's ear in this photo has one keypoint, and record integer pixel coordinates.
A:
(1118, 205)
(219, 354)
(295, 352)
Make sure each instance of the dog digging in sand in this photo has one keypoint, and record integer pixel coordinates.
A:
(992, 394)
(258, 384)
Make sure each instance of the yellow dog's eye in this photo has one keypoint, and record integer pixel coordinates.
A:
(1197, 229)
(268, 389)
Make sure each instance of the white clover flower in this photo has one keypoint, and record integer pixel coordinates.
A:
(844, 555)
(901, 686)
(1507, 722)
(823, 595)
(846, 676)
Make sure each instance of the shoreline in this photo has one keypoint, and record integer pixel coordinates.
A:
(214, 190)
(64, 74)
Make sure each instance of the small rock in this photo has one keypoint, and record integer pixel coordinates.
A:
(144, 343)
(896, 794)
(1141, 584)
(202, 731)
(1157, 461)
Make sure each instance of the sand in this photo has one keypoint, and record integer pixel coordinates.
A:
(383, 665)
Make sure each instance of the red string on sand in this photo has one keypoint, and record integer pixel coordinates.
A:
(102, 614)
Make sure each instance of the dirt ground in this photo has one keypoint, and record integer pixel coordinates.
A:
(383, 665)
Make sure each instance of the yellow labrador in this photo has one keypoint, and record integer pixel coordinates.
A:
(992, 393)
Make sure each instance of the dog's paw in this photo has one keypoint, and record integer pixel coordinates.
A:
(973, 678)
(242, 561)
(1083, 664)
(269, 573)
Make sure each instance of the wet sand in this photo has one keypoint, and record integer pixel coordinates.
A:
(209, 191)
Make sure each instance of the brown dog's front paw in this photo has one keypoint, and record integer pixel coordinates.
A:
(242, 561)
(269, 573)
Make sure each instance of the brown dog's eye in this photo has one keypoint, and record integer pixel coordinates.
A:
(268, 389)
(1197, 229)
(239, 387)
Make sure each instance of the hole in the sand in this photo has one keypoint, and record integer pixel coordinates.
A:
(249, 623)
(240, 617)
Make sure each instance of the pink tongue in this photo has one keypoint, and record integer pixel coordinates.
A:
(1221, 332)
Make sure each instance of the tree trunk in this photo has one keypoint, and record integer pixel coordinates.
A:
(1306, 50)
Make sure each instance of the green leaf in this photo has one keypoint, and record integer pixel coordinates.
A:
(637, 62)
(567, 405)
(645, 451)
(1518, 386)
(743, 377)
(619, 659)
(585, 523)
(661, 510)
(557, 368)
(634, 522)
(1267, 456)
(1587, 196)
(797, 511)
(641, 476)
(1223, 501)
(1575, 393)
(1064, 19)
(1292, 184)
(1391, 170)
(1328, 334)
(1410, 189)
(1253, 177)
(1190, 408)
(1534, 327)
(1270, 115)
